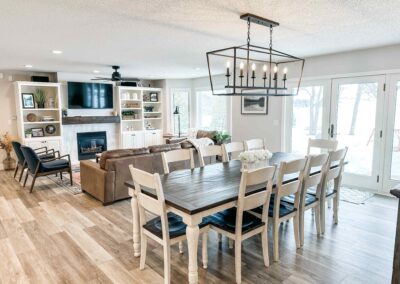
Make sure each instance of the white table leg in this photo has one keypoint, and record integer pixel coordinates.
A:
(136, 224)
(192, 234)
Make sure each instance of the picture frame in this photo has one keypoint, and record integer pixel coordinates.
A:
(28, 100)
(153, 97)
(37, 132)
(257, 105)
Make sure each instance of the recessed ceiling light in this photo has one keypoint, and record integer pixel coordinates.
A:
(57, 52)
(28, 66)
(96, 71)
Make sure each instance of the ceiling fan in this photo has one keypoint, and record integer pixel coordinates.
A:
(116, 77)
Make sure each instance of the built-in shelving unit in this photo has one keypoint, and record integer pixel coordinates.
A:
(34, 119)
(141, 116)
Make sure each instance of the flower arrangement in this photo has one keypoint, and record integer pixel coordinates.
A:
(5, 143)
(254, 156)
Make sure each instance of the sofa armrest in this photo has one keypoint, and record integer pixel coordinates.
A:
(97, 182)
(175, 140)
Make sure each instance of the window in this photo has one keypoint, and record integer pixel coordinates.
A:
(212, 111)
(181, 99)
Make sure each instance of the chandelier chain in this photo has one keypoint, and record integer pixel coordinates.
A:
(248, 31)
(270, 37)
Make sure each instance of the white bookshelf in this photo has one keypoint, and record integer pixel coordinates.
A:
(52, 91)
(141, 119)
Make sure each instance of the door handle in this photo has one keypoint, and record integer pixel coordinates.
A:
(332, 130)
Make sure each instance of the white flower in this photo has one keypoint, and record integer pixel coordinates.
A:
(254, 156)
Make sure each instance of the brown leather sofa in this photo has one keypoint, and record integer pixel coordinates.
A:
(105, 180)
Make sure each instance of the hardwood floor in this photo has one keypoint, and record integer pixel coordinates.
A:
(52, 236)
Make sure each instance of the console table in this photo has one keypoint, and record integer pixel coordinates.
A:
(396, 259)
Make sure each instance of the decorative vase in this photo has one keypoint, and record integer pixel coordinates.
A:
(8, 163)
(28, 135)
(40, 105)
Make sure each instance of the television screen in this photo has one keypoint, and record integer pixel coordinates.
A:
(90, 95)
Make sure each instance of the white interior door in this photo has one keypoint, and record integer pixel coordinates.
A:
(357, 122)
(307, 115)
(392, 135)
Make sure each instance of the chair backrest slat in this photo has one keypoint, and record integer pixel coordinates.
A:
(254, 144)
(336, 158)
(314, 161)
(322, 144)
(177, 156)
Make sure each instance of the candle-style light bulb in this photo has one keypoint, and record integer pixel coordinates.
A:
(228, 64)
(275, 72)
(285, 70)
(265, 68)
(241, 66)
(275, 69)
(253, 67)
(284, 76)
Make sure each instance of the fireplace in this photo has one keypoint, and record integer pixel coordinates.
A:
(91, 143)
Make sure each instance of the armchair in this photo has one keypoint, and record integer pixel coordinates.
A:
(38, 167)
(43, 153)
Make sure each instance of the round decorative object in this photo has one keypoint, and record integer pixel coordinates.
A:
(31, 117)
(50, 129)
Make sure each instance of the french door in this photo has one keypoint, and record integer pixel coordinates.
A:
(392, 149)
(357, 121)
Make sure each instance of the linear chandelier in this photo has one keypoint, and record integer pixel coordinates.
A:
(255, 70)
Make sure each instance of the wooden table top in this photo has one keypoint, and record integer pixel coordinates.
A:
(194, 191)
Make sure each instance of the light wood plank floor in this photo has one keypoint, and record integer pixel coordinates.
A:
(52, 236)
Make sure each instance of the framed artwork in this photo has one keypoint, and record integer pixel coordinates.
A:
(154, 97)
(28, 101)
(254, 105)
(37, 132)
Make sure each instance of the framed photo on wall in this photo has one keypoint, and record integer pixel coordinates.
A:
(28, 101)
(254, 105)
(37, 132)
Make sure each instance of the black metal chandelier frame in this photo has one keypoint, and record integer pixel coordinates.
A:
(244, 85)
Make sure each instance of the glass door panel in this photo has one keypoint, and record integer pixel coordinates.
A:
(308, 116)
(395, 149)
(356, 122)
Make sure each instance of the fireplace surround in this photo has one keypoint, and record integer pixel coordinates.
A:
(91, 143)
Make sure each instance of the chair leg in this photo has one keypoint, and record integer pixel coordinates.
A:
(70, 176)
(204, 252)
(318, 221)
(264, 243)
(167, 264)
(336, 208)
(230, 243)
(301, 227)
(26, 178)
(180, 247)
(322, 216)
(22, 172)
(33, 183)
(143, 250)
(61, 175)
(275, 232)
(16, 170)
(296, 229)
(238, 261)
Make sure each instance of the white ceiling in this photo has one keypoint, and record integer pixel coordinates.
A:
(169, 38)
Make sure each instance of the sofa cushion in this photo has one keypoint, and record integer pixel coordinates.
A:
(206, 134)
(119, 153)
(186, 145)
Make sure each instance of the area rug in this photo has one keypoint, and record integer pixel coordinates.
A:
(354, 196)
(65, 182)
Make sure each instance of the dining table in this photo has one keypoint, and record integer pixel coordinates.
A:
(200, 192)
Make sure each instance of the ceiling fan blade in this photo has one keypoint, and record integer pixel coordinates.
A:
(130, 79)
(101, 79)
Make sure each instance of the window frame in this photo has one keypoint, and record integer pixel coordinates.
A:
(172, 109)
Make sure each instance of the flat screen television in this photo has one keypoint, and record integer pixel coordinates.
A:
(89, 95)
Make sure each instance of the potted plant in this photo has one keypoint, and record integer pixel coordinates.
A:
(5, 143)
(28, 133)
(221, 137)
(40, 98)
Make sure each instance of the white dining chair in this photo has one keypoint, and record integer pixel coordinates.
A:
(333, 172)
(321, 144)
(309, 201)
(173, 156)
(167, 228)
(254, 144)
(237, 224)
(281, 211)
(232, 149)
(210, 151)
